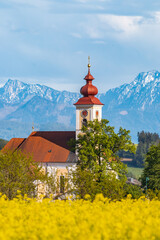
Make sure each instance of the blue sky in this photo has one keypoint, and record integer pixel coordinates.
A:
(48, 41)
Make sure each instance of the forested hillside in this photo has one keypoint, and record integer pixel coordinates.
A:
(3, 143)
(145, 141)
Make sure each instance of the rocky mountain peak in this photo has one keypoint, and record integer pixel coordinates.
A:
(15, 92)
(14, 83)
(147, 77)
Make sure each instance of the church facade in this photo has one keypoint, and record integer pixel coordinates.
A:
(50, 148)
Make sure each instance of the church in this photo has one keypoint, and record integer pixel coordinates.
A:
(50, 148)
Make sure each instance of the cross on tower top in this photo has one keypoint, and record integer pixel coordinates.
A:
(89, 62)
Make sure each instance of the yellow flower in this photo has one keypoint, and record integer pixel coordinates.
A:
(102, 219)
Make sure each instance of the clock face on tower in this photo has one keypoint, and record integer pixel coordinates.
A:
(84, 113)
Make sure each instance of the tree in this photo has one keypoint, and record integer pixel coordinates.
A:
(3, 143)
(99, 169)
(19, 172)
(134, 190)
(145, 140)
(151, 171)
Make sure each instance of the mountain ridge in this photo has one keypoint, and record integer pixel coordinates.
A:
(134, 106)
(15, 91)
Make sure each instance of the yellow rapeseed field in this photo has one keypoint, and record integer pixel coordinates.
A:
(79, 219)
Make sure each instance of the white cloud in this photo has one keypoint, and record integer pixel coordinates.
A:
(123, 113)
(156, 16)
(137, 31)
(127, 25)
(28, 35)
(107, 25)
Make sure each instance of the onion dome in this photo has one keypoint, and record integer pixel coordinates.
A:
(88, 91)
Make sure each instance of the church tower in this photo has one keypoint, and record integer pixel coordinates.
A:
(88, 107)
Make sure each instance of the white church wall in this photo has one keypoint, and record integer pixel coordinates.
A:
(53, 168)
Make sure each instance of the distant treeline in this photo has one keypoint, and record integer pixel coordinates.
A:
(2, 143)
(145, 140)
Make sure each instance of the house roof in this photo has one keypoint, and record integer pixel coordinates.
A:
(43, 150)
(60, 138)
(13, 144)
(45, 146)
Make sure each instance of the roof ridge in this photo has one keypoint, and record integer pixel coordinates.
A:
(50, 149)
(20, 144)
(30, 136)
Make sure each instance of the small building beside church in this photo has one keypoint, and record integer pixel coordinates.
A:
(50, 148)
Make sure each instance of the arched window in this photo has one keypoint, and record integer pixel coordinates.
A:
(84, 122)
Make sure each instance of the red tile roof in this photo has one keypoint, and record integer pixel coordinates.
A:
(43, 150)
(60, 138)
(13, 144)
(91, 100)
(45, 146)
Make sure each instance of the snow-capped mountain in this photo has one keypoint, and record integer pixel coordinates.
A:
(15, 92)
(135, 106)
(140, 94)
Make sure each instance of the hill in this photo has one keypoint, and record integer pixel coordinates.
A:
(3, 143)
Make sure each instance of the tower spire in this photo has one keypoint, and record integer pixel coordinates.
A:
(88, 107)
(89, 90)
(32, 126)
(89, 65)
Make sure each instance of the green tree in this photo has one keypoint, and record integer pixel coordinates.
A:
(99, 169)
(145, 140)
(90, 182)
(152, 168)
(20, 172)
(3, 143)
(134, 190)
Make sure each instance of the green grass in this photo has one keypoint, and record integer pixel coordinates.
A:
(134, 172)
